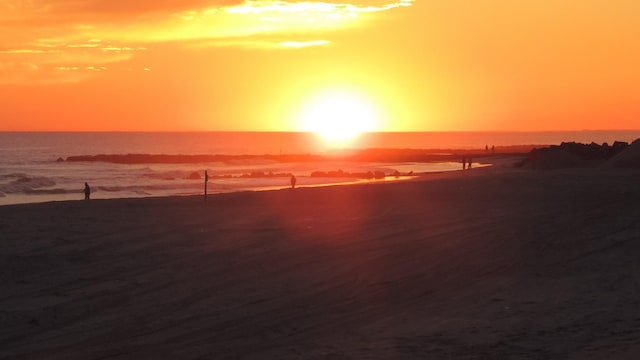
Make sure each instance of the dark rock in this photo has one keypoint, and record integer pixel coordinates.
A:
(629, 157)
(573, 154)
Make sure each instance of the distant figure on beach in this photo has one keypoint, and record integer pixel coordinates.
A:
(206, 180)
(486, 148)
(493, 148)
(469, 165)
(293, 181)
(87, 191)
(464, 162)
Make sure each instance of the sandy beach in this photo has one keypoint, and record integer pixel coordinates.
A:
(491, 263)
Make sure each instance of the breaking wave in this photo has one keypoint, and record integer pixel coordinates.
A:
(23, 183)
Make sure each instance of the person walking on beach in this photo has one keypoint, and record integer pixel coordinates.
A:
(464, 162)
(206, 180)
(87, 191)
(293, 181)
(469, 165)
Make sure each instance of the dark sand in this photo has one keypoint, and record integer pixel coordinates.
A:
(492, 263)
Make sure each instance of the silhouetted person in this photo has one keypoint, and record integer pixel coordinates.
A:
(469, 166)
(293, 181)
(486, 148)
(464, 162)
(87, 191)
(493, 148)
(206, 180)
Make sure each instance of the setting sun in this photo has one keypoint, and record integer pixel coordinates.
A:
(338, 117)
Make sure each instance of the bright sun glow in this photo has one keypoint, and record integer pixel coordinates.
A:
(338, 117)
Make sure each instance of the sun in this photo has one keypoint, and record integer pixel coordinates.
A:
(338, 117)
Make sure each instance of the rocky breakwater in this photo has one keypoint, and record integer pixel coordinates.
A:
(578, 155)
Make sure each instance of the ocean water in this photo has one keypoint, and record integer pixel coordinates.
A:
(29, 171)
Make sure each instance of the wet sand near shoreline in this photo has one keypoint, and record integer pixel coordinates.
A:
(489, 263)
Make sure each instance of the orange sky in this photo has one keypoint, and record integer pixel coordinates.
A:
(250, 65)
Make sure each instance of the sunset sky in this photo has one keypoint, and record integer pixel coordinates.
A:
(423, 65)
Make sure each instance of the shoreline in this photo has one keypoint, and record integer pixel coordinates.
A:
(149, 175)
(259, 180)
(329, 181)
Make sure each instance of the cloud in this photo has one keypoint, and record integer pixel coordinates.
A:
(56, 9)
(74, 34)
(24, 72)
(303, 44)
(45, 61)
(261, 44)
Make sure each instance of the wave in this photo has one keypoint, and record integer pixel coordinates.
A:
(23, 183)
(140, 190)
(56, 191)
(174, 175)
(38, 187)
(188, 159)
(147, 189)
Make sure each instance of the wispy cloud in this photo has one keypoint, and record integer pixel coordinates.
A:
(303, 44)
(48, 36)
(259, 7)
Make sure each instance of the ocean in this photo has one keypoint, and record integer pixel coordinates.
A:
(33, 166)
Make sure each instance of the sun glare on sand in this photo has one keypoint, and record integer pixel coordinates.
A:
(338, 117)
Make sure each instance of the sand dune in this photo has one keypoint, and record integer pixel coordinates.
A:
(491, 263)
